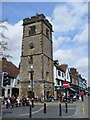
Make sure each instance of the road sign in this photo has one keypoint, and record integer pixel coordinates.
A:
(65, 84)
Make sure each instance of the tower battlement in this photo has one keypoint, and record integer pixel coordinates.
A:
(37, 18)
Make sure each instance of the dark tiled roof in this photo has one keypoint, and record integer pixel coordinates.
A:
(59, 68)
(10, 68)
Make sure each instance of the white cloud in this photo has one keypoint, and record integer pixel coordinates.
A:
(82, 63)
(82, 37)
(67, 17)
(14, 34)
(59, 41)
(68, 55)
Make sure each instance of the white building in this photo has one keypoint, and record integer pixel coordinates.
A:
(84, 84)
(61, 73)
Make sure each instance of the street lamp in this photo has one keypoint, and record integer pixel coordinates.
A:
(44, 90)
(30, 106)
(32, 85)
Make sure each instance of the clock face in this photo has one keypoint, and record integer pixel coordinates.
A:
(31, 45)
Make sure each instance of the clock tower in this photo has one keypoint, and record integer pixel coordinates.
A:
(36, 65)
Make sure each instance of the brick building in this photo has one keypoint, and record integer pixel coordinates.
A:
(74, 79)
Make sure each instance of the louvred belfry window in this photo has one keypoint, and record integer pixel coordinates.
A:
(32, 30)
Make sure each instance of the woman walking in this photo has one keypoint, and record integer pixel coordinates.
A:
(82, 95)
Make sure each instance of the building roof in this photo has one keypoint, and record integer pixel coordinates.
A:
(73, 71)
(10, 68)
(63, 67)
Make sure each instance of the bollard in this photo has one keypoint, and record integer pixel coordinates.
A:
(60, 109)
(30, 111)
(44, 107)
(32, 103)
(66, 108)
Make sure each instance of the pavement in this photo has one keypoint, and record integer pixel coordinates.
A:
(82, 108)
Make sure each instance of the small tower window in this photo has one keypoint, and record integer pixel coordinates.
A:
(47, 32)
(32, 30)
(47, 76)
(30, 59)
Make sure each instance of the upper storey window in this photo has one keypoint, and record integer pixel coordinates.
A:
(59, 73)
(32, 30)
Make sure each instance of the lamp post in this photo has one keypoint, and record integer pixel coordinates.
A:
(44, 90)
(30, 106)
(32, 85)
(66, 100)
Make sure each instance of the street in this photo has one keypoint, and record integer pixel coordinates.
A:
(76, 109)
(37, 111)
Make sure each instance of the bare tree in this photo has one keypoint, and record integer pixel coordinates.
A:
(3, 43)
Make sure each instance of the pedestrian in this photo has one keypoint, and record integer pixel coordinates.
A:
(12, 99)
(8, 103)
(23, 101)
(17, 102)
(27, 101)
(82, 95)
(60, 96)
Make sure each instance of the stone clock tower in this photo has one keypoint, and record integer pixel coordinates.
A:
(36, 65)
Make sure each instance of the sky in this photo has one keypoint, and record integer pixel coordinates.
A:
(70, 25)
